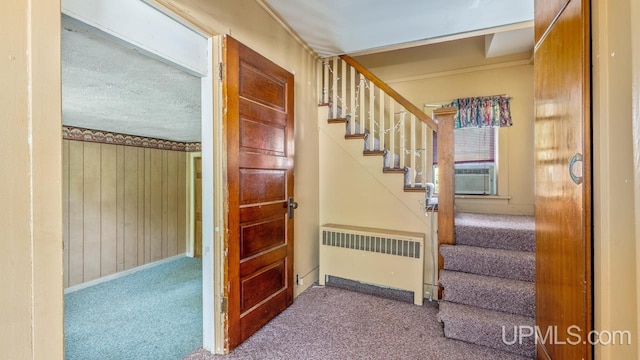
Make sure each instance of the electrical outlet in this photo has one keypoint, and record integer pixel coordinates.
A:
(300, 281)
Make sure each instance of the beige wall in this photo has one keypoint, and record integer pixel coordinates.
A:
(354, 191)
(443, 72)
(253, 26)
(30, 185)
(31, 246)
(124, 206)
(615, 234)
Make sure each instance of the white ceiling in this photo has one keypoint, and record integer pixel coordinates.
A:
(111, 87)
(333, 27)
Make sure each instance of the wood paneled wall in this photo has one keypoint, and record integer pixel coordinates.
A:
(124, 207)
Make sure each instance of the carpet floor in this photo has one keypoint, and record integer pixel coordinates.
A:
(489, 281)
(334, 323)
(155, 313)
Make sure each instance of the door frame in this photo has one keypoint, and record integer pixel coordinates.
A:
(213, 153)
(191, 193)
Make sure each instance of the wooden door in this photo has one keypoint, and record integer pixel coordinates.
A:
(197, 241)
(259, 133)
(563, 205)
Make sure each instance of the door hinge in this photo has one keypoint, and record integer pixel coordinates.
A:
(220, 71)
(224, 305)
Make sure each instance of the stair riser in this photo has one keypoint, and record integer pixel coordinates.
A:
(490, 336)
(519, 299)
(516, 265)
(496, 238)
(488, 328)
(514, 303)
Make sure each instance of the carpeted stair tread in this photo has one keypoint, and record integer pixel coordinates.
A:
(508, 232)
(485, 327)
(510, 264)
(507, 295)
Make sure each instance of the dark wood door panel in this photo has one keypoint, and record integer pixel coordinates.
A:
(262, 185)
(262, 129)
(262, 284)
(544, 13)
(562, 208)
(260, 157)
(251, 110)
(254, 264)
(254, 160)
(262, 236)
(256, 213)
(253, 320)
(263, 138)
(262, 82)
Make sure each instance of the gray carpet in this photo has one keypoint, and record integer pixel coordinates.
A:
(488, 292)
(155, 313)
(509, 232)
(334, 323)
(509, 264)
(488, 281)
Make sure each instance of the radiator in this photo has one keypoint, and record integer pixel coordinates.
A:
(393, 259)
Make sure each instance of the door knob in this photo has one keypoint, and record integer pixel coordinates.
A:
(292, 206)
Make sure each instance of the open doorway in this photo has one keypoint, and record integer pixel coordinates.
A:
(126, 184)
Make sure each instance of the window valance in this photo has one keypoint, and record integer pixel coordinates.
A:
(487, 111)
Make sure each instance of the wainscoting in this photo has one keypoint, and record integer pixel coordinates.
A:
(124, 206)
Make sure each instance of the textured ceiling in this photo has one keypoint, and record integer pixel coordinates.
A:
(107, 86)
(333, 27)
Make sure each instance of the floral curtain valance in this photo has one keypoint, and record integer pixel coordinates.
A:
(484, 111)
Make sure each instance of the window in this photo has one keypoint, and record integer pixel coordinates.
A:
(475, 160)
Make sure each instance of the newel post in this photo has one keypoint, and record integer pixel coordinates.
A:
(446, 178)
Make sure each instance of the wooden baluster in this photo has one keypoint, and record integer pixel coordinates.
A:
(412, 155)
(352, 98)
(423, 153)
(326, 80)
(372, 117)
(392, 134)
(381, 119)
(334, 88)
(429, 155)
(343, 83)
(362, 86)
(403, 139)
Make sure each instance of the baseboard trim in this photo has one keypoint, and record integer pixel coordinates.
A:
(120, 274)
(307, 280)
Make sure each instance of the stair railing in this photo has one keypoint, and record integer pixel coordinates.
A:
(394, 127)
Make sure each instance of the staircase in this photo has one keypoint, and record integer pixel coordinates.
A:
(488, 280)
(488, 275)
(390, 125)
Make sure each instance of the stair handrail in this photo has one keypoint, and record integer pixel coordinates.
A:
(421, 115)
